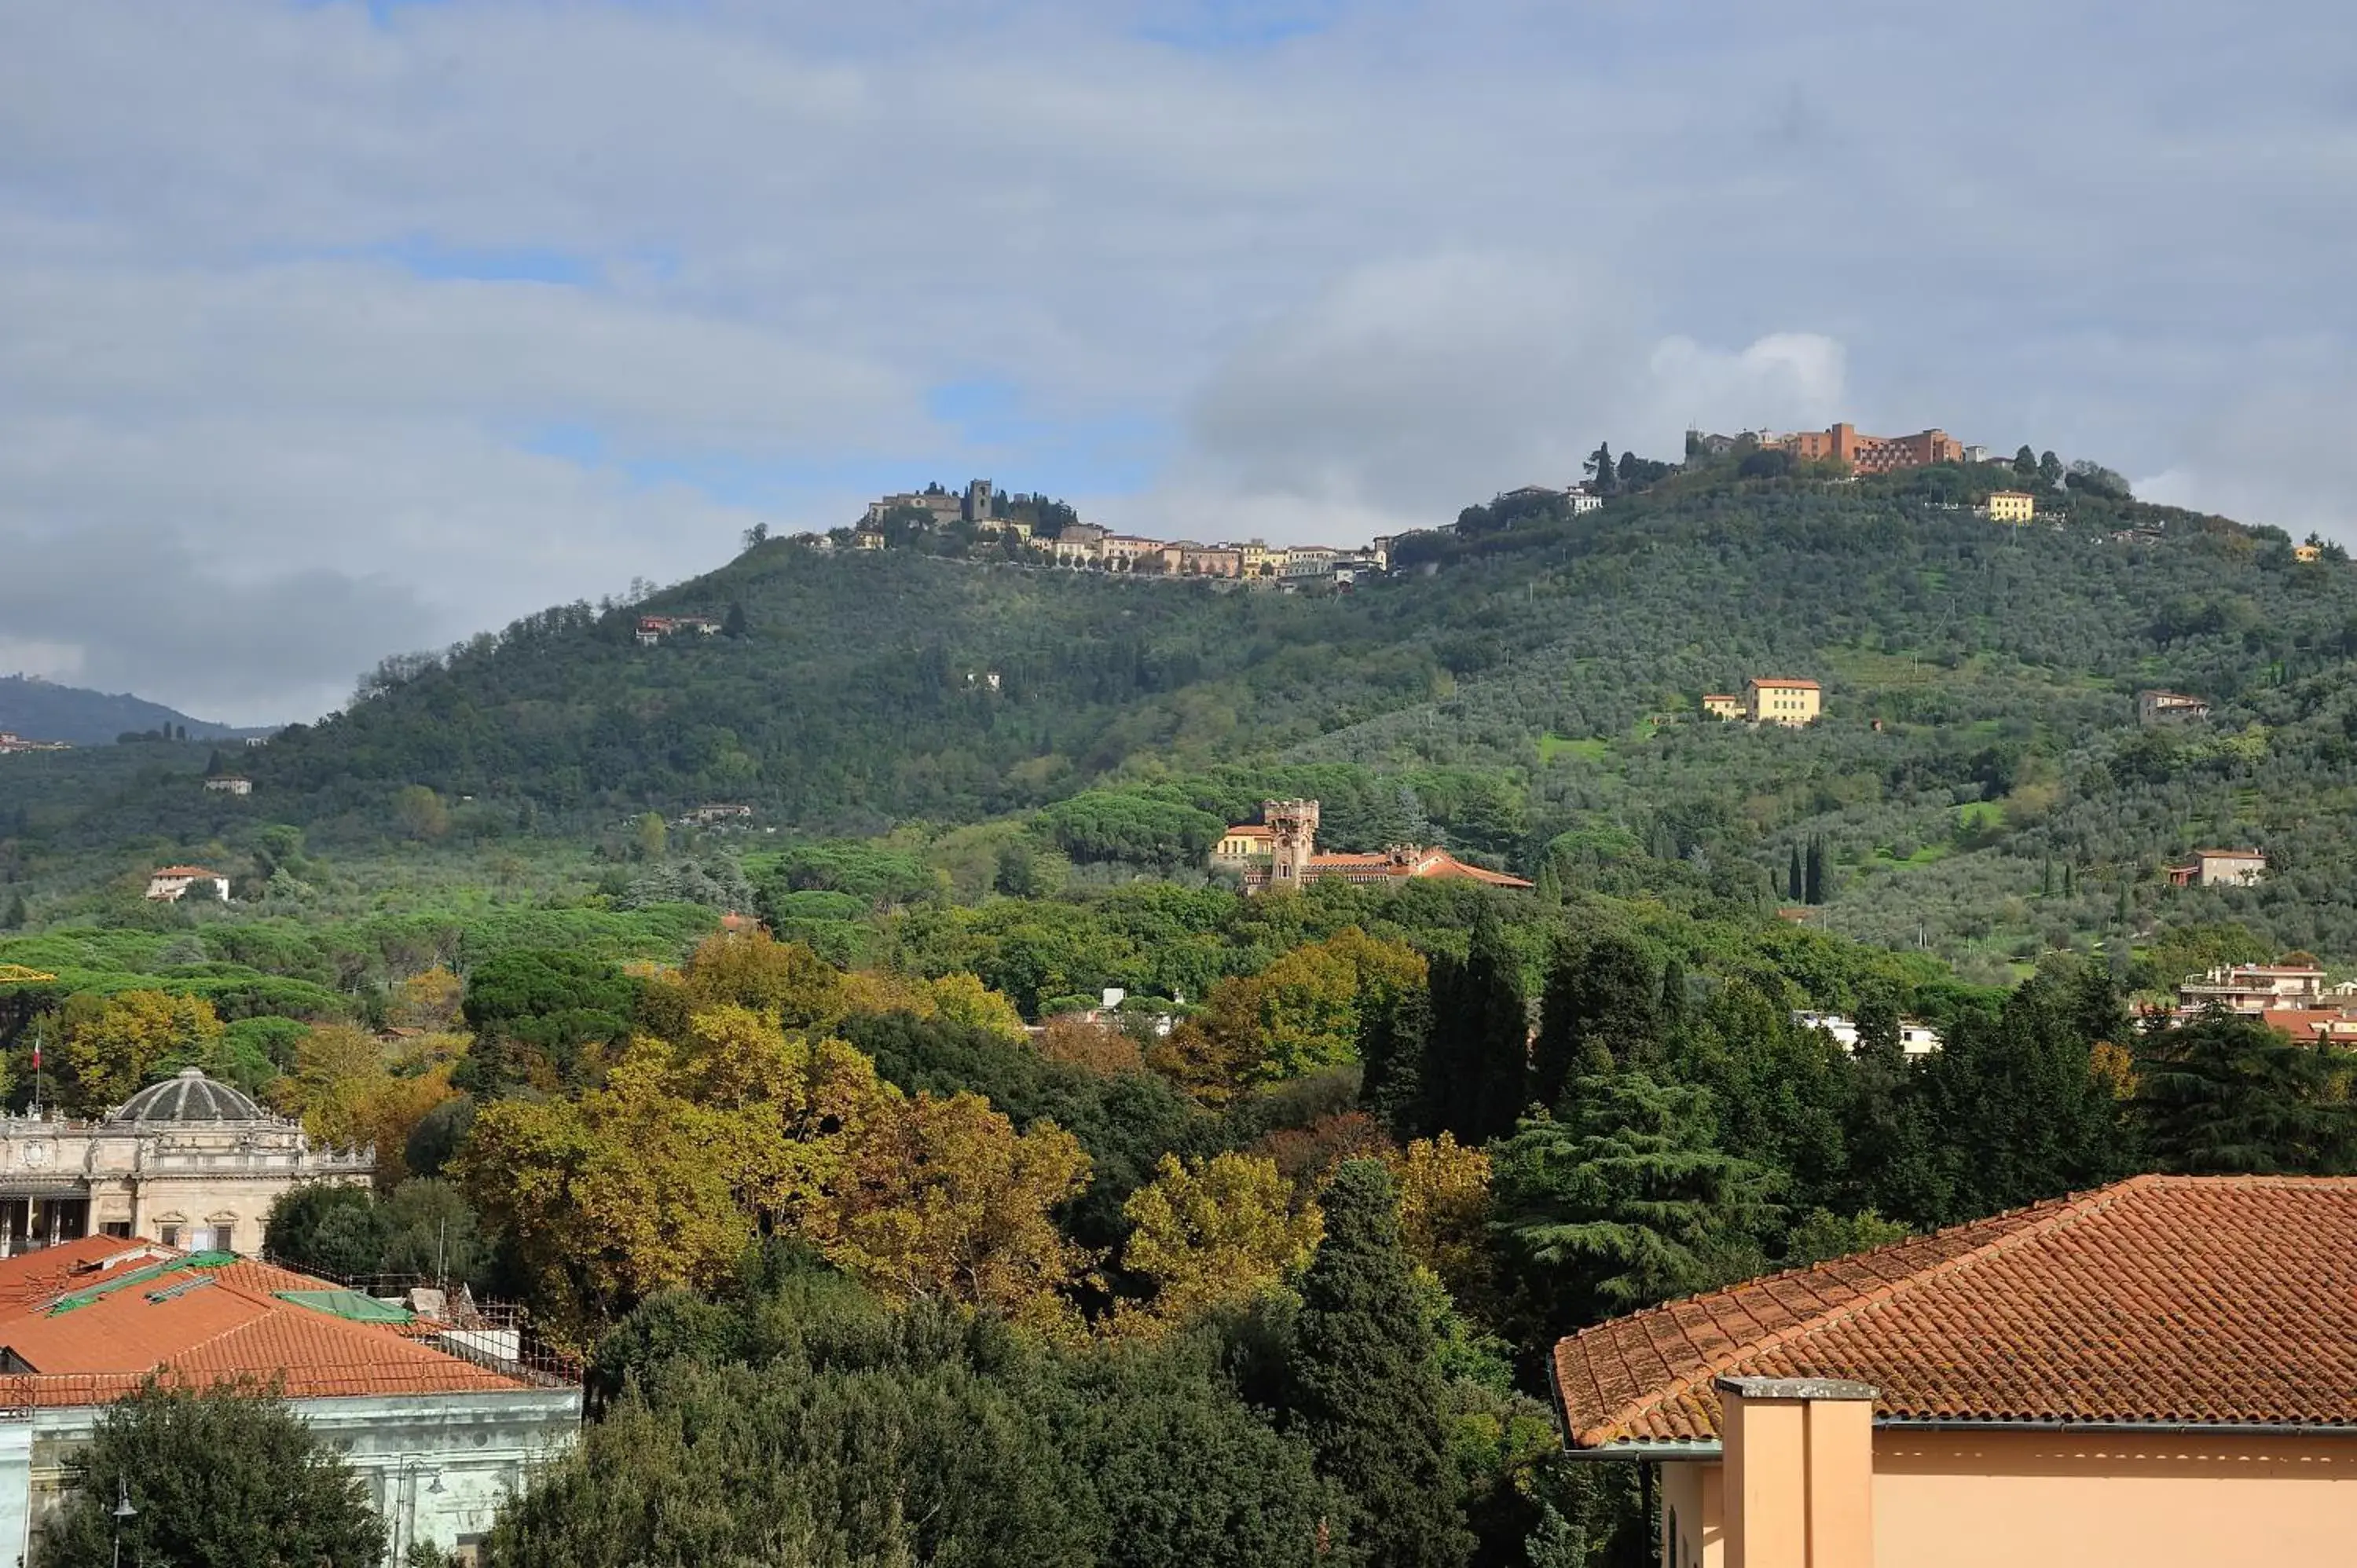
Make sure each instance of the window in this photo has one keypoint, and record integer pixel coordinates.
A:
(119, 1229)
(168, 1234)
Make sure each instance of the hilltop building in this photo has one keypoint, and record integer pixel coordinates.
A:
(12, 743)
(170, 884)
(1791, 701)
(2012, 506)
(443, 1411)
(1869, 453)
(2150, 1374)
(187, 1162)
(2155, 707)
(229, 784)
(2221, 868)
(1281, 851)
(2251, 988)
(1724, 705)
(654, 628)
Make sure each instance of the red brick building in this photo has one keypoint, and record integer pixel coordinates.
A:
(1873, 454)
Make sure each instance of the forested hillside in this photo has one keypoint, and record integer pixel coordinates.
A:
(1528, 694)
(43, 710)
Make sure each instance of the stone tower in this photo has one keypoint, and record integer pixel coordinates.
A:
(977, 500)
(1293, 838)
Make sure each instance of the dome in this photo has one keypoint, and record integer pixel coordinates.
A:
(190, 1097)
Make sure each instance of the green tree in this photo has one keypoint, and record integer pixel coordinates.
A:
(1363, 1385)
(227, 1478)
(1796, 880)
(420, 812)
(1603, 477)
(16, 915)
(1477, 1051)
(324, 1229)
(1601, 1011)
(734, 625)
(2025, 463)
(2223, 1094)
(1627, 1203)
(1813, 888)
(2050, 468)
(1393, 1042)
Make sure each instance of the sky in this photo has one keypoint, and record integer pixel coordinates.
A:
(330, 331)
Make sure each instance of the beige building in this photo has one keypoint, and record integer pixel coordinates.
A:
(1782, 700)
(2156, 1373)
(1724, 705)
(170, 884)
(188, 1162)
(2221, 868)
(2160, 707)
(2012, 506)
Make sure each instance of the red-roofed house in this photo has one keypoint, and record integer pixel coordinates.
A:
(170, 884)
(1281, 851)
(2161, 1372)
(441, 1420)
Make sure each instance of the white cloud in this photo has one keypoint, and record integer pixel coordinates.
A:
(1364, 275)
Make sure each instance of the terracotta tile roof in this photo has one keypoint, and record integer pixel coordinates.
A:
(1784, 682)
(2163, 1300)
(72, 1342)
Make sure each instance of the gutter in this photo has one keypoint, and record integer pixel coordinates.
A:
(1652, 1453)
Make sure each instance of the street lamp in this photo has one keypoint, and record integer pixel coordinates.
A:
(122, 1511)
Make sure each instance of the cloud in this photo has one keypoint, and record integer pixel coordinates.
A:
(450, 311)
(1411, 388)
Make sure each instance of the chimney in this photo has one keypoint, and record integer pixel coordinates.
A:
(1799, 1471)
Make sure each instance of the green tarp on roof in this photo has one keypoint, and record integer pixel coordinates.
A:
(349, 1305)
(90, 1293)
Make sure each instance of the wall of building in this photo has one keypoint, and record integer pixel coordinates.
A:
(2038, 1500)
(476, 1448)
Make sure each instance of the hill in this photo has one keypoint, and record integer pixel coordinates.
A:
(43, 710)
(1980, 783)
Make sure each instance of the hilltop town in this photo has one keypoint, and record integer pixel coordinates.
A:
(981, 520)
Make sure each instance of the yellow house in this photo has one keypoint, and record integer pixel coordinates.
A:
(1724, 704)
(2012, 506)
(2154, 1373)
(1782, 700)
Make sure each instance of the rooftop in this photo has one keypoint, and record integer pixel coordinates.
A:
(84, 1322)
(2208, 1301)
(1784, 681)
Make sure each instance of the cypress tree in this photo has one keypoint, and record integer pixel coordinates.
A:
(1796, 886)
(16, 914)
(1364, 1385)
(1814, 885)
(1477, 1054)
(1392, 1044)
(1600, 1012)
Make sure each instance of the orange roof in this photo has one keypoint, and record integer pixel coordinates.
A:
(85, 1343)
(1784, 682)
(2161, 1300)
(186, 871)
(2310, 1022)
(1420, 862)
(1250, 831)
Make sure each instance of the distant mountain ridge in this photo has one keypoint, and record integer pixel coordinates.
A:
(44, 710)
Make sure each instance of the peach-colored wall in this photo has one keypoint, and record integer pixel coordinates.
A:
(1690, 1506)
(2039, 1501)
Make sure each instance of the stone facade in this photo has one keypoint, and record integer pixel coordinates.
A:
(188, 1162)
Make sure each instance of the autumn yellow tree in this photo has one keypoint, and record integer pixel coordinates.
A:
(352, 1093)
(946, 1200)
(964, 999)
(751, 969)
(1300, 1013)
(114, 1044)
(1444, 1211)
(1211, 1232)
(1094, 1046)
(666, 1172)
(427, 1001)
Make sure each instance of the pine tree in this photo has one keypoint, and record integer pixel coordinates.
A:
(1477, 1055)
(1363, 1386)
(733, 626)
(2230, 1095)
(1626, 1203)
(2050, 468)
(1601, 1013)
(2025, 463)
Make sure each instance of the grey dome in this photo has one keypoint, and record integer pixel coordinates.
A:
(190, 1097)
